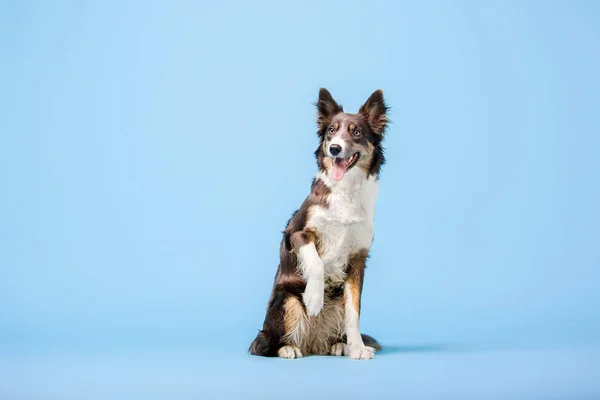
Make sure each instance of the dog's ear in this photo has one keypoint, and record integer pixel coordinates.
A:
(375, 111)
(326, 108)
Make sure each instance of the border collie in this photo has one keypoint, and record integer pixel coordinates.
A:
(315, 302)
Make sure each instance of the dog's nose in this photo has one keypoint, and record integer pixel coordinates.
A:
(335, 149)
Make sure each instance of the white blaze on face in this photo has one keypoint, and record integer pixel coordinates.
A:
(340, 142)
(340, 164)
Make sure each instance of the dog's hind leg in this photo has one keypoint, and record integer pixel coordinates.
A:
(296, 327)
(285, 324)
(338, 349)
(269, 339)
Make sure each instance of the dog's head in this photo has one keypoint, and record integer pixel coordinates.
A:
(350, 141)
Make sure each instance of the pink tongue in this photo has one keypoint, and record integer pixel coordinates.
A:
(339, 169)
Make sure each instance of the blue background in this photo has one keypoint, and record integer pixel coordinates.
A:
(151, 153)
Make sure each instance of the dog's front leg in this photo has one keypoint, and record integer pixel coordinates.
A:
(312, 269)
(356, 348)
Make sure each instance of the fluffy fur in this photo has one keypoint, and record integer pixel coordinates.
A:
(314, 306)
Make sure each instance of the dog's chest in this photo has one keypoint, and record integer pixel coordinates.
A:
(344, 227)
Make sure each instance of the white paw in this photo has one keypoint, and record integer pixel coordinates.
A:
(289, 352)
(313, 296)
(361, 352)
(338, 349)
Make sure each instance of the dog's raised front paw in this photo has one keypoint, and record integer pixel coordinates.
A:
(361, 352)
(313, 296)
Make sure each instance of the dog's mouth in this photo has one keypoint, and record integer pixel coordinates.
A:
(342, 165)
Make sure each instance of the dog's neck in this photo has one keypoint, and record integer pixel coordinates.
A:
(352, 200)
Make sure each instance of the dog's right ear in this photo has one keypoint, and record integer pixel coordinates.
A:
(326, 108)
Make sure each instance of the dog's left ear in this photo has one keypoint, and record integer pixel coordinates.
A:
(375, 111)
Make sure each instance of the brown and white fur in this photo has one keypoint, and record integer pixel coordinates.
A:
(316, 299)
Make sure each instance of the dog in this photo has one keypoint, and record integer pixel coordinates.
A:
(315, 302)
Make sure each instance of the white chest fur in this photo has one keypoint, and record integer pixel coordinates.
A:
(346, 226)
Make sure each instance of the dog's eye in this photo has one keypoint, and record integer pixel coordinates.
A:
(356, 132)
(331, 129)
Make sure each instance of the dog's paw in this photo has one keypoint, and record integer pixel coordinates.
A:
(361, 352)
(289, 352)
(313, 296)
(338, 349)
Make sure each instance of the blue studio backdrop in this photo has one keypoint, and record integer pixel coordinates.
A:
(152, 152)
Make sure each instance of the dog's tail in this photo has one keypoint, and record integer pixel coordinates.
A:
(371, 342)
(263, 345)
